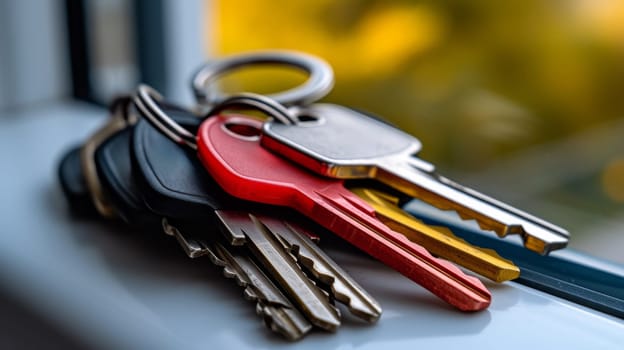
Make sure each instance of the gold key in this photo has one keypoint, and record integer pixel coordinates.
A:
(438, 240)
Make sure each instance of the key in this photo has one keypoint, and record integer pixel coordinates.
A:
(120, 118)
(248, 230)
(73, 184)
(278, 313)
(325, 270)
(439, 240)
(161, 164)
(230, 149)
(296, 241)
(116, 180)
(567, 274)
(341, 143)
(113, 163)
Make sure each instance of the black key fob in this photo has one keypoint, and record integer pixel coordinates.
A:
(114, 168)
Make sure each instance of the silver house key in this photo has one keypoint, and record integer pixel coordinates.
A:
(341, 143)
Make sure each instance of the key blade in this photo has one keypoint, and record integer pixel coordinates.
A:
(278, 313)
(262, 242)
(538, 235)
(341, 285)
(439, 276)
(439, 240)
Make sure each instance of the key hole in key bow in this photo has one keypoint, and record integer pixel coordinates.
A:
(308, 120)
(243, 129)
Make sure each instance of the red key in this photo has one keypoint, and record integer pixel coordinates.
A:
(229, 147)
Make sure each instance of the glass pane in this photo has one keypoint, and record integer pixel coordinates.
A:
(521, 99)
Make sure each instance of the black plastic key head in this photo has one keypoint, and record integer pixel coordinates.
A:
(114, 169)
(173, 182)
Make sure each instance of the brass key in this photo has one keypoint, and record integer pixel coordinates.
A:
(438, 240)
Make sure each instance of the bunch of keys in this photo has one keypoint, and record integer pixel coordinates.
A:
(149, 181)
(223, 189)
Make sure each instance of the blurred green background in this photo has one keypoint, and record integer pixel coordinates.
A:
(521, 99)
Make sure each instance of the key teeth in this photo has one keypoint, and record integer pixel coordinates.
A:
(465, 217)
(287, 326)
(277, 316)
(249, 294)
(502, 231)
(370, 314)
(354, 296)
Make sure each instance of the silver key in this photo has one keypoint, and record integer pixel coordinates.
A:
(278, 313)
(338, 142)
(246, 229)
(325, 271)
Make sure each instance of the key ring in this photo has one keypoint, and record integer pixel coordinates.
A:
(319, 83)
(146, 100)
(259, 102)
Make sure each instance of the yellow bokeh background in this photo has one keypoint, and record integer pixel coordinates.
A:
(476, 81)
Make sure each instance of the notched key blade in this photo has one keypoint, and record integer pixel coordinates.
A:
(262, 243)
(439, 240)
(277, 312)
(342, 286)
(490, 214)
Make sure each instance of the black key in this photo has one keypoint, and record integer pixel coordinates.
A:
(112, 160)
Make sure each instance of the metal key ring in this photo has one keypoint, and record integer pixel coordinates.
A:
(258, 102)
(319, 83)
(146, 99)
